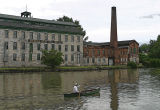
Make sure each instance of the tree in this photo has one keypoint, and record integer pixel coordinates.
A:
(68, 19)
(154, 48)
(144, 48)
(51, 58)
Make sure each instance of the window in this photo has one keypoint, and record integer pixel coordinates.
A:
(15, 34)
(134, 50)
(23, 35)
(38, 56)
(78, 38)
(87, 60)
(31, 47)
(23, 57)
(72, 38)
(14, 57)
(38, 36)
(46, 36)
(78, 48)
(6, 33)
(93, 52)
(59, 37)
(23, 46)
(72, 57)
(99, 60)
(66, 48)
(6, 45)
(72, 48)
(38, 46)
(14, 45)
(53, 36)
(31, 35)
(53, 46)
(104, 60)
(98, 52)
(46, 46)
(66, 38)
(66, 58)
(93, 60)
(59, 47)
(103, 52)
(30, 56)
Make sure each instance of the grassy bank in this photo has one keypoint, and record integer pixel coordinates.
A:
(61, 68)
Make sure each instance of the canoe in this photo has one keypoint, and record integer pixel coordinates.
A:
(83, 93)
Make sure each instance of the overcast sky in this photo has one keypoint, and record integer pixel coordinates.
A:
(137, 19)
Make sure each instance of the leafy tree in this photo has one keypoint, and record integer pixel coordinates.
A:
(51, 58)
(144, 48)
(154, 49)
(68, 19)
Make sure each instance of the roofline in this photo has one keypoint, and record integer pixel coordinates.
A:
(13, 17)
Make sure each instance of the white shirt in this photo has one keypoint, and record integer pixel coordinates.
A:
(75, 89)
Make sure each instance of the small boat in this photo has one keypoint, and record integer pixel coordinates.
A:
(84, 93)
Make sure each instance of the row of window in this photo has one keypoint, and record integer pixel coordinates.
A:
(66, 58)
(31, 34)
(23, 57)
(23, 46)
(98, 53)
(109, 52)
(99, 60)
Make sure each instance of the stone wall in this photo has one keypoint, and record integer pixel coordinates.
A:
(6, 55)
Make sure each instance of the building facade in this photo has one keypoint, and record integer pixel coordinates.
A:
(102, 54)
(111, 53)
(22, 40)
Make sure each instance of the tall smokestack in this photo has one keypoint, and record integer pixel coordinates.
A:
(113, 36)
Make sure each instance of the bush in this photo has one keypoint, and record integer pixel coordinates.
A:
(132, 64)
(51, 58)
(154, 62)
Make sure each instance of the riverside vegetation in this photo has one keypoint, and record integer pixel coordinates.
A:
(150, 53)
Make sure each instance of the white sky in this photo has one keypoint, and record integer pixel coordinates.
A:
(137, 19)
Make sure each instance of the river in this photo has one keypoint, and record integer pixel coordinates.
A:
(121, 89)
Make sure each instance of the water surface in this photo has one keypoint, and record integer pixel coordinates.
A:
(121, 89)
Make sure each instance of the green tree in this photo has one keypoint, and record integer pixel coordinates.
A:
(68, 19)
(144, 48)
(154, 48)
(51, 58)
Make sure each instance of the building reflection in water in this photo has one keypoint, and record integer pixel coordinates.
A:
(116, 77)
(28, 91)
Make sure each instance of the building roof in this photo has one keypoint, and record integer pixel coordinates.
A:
(120, 43)
(36, 24)
(12, 17)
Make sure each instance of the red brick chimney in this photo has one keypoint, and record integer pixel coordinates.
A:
(113, 36)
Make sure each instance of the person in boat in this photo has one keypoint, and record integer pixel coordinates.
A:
(75, 88)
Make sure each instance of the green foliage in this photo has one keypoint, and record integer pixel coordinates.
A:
(154, 62)
(51, 58)
(132, 64)
(68, 19)
(144, 48)
(154, 49)
(150, 53)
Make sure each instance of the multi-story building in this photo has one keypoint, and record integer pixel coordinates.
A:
(111, 53)
(102, 54)
(23, 38)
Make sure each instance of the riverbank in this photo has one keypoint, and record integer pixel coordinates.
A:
(61, 69)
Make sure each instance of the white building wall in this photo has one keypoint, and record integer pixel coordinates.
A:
(35, 62)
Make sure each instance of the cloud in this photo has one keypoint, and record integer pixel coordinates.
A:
(151, 16)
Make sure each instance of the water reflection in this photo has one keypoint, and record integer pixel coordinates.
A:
(45, 90)
(116, 77)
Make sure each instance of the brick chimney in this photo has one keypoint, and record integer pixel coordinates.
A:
(113, 36)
